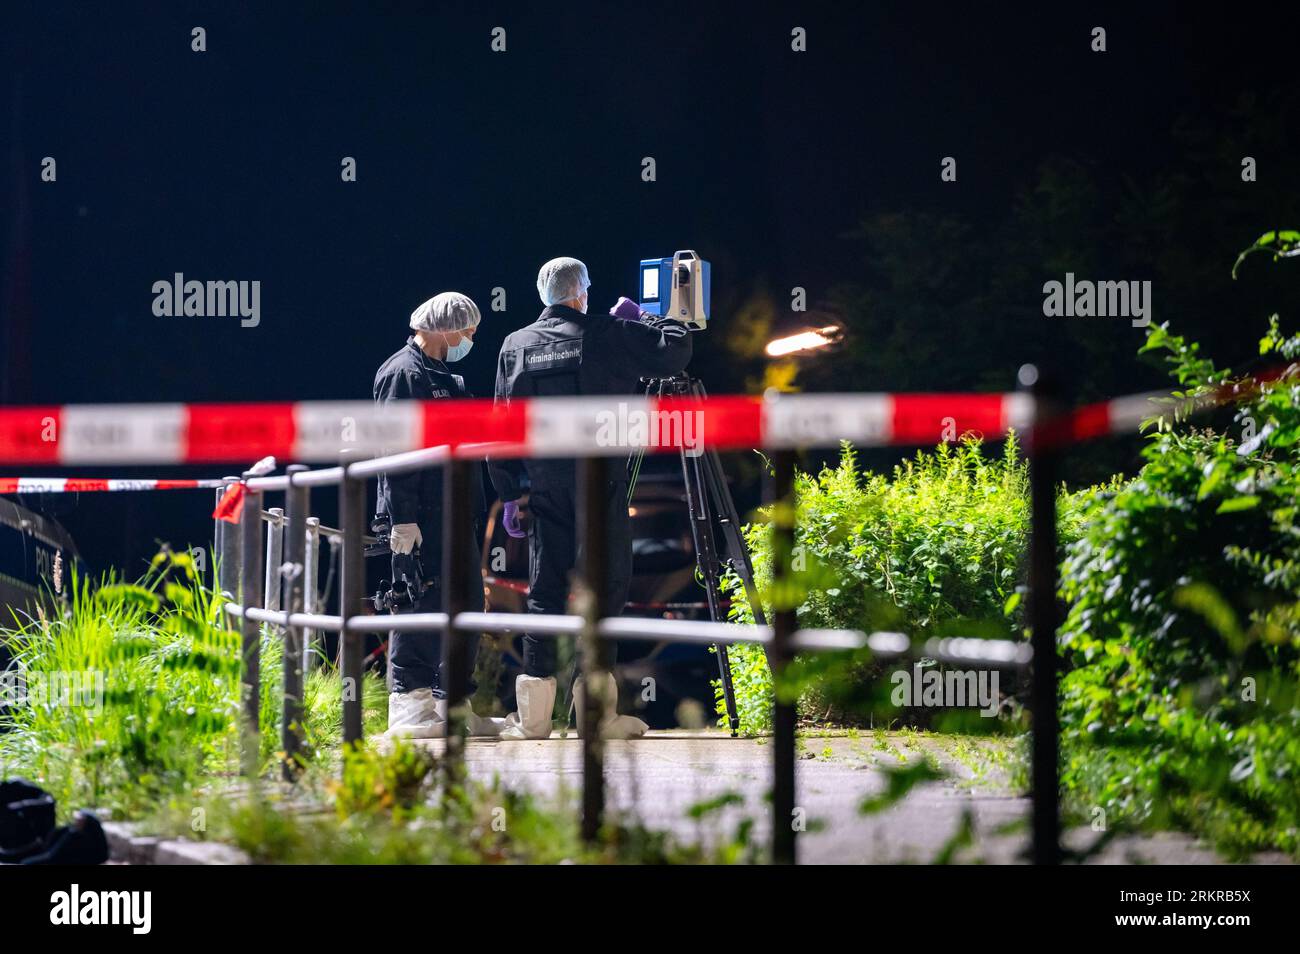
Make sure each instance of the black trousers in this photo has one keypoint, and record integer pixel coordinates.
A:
(553, 552)
(415, 659)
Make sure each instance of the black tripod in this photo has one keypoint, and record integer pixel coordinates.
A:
(708, 498)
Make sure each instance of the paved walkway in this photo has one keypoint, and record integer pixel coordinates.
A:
(659, 777)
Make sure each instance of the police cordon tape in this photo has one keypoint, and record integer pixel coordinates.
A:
(317, 431)
(80, 485)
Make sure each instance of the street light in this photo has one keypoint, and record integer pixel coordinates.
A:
(810, 339)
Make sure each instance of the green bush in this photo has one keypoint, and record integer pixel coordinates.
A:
(163, 673)
(933, 549)
(1180, 705)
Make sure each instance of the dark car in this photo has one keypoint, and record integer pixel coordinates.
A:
(663, 586)
(37, 557)
(31, 548)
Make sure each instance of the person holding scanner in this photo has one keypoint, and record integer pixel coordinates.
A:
(409, 505)
(567, 352)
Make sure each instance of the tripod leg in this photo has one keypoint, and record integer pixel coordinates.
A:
(706, 559)
(724, 505)
(736, 549)
(728, 689)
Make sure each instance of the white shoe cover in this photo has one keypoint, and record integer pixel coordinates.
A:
(535, 698)
(416, 715)
(482, 727)
(612, 725)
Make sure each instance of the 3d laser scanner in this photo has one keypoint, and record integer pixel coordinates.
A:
(677, 287)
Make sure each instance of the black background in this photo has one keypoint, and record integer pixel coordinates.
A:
(474, 167)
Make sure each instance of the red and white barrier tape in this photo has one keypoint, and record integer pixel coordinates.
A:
(1118, 416)
(1123, 415)
(78, 485)
(317, 431)
(313, 431)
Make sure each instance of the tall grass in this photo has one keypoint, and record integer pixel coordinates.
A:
(322, 705)
(166, 721)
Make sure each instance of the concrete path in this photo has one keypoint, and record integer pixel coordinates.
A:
(659, 777)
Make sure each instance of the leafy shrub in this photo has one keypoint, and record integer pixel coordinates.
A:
(374, 781)
(933, 549)
(1183, 632)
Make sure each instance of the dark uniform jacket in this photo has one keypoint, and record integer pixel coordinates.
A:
(565, 352)
(416, 496)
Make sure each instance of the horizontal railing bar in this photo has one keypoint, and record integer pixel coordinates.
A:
(392, 464)
(401, 623)
(234, 609)
(981, 652)
(325, 477)
(1002, 653)
(279, 518)
(535, 623)
(889, 644)
(400, 463)
(328, 477)
(830, 639)
(306, 620)
(260, 615)
(703, 632)
(279, 482)
(316, 621)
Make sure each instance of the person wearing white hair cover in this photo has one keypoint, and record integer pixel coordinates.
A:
(564, 280)
(568, 353)
(411, 504)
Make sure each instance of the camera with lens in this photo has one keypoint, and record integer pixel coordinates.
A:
(403, 591)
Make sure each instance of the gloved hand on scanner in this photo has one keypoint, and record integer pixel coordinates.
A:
(510, 519)
(629, 310)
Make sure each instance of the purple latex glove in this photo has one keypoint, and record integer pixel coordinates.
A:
(510, 519)
(628, 310)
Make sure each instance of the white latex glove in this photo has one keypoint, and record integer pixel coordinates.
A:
(404, 537)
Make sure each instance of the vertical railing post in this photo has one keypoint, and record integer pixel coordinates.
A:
(784, 623)
(1043, 617)
(298, 503)
(250, 595)
(274, 556)
(593, 503)
(457, 528)
(352, 580)
(228, 555)
(311, 570)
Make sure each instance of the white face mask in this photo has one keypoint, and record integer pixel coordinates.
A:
(460, 349)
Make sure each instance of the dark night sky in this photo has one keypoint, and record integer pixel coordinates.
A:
(474, 167)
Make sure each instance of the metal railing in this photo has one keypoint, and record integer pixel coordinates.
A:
(274, 583)
(277, 584)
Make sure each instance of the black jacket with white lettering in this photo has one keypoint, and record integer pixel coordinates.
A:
(566, 353)
(416, 496)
